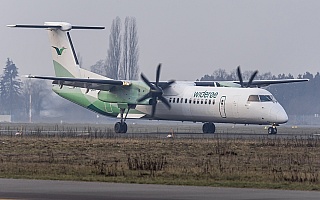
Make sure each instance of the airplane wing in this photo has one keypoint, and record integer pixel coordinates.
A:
(263, 83)
(255, 83)
(98, 84)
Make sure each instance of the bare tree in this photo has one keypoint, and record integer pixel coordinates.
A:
(100, 68)
(38, 89)
(125, 50)
(130, 54)
(114, 51)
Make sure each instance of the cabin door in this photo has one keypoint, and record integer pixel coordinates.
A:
(222, 107)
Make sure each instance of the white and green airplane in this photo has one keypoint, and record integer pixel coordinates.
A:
(238, 102)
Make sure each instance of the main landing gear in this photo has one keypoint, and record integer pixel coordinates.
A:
(208, 127)
(121, 127)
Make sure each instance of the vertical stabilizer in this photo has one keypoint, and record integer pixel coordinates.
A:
(65, 60)
(64, 56)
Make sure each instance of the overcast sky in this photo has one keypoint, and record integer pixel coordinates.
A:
(190, 38)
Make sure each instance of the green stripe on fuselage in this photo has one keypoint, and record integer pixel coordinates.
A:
(76, 96)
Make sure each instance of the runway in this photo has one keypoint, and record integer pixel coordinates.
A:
(65, 190)
(155, 129)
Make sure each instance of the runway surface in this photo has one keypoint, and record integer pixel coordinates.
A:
(65, 190)
(155, 129)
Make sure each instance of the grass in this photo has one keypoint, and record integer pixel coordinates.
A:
(279, 163)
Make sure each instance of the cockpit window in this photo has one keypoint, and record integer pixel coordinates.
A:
(261, 98)
(264, 98)
(253, 98)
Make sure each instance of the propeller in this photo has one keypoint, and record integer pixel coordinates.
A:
(156, 92)
(254, 74)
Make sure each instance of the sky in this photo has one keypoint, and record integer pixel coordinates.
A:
(189, 38)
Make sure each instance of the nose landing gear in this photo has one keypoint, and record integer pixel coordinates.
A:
(272, 130)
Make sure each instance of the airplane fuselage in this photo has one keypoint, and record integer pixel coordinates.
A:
(219, 104)
(194, 103)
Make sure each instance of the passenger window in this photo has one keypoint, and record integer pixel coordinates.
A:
(205, 101)
(186, 101)
(181, 101)
(201, 101)
(209, 101)
(213, 101)
(177, 100)
(254, 98)
(197, 101)
(194, 101)
(174, 99)
(170, 100)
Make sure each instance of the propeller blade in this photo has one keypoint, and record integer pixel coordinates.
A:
(165, 102)
(158, 74)
(146, 81)
(240, 76)
(156, 92)
(166, 85)
(154, 104)
(252, 77)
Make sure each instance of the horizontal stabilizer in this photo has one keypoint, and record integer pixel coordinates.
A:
(64, 26)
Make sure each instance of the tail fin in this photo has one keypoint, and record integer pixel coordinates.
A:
(64, 56)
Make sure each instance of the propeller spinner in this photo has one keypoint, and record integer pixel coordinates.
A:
(156, 92)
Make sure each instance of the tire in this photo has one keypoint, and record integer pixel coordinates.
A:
(212, 128)
(275, 130)
(117, 127)
(272, 130)
(124, 128)
(208, 127)
(205, 128)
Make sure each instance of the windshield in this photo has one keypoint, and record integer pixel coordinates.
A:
(261, 98)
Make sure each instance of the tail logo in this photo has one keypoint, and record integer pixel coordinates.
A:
(59, 51)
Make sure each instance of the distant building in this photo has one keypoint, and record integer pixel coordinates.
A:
(5, 118)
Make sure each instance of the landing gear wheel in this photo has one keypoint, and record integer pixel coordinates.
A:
(272, 130)
(208, 127)
(120, 127)
(117, 127)
(124, 128)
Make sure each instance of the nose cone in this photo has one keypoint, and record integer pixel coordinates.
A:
(282, 116)
(278, 114)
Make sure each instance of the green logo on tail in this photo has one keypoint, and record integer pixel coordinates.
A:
(59, 51)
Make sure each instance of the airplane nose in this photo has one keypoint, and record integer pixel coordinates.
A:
(282, 117)
(278, 114)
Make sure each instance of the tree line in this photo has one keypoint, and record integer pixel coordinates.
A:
(15, 94)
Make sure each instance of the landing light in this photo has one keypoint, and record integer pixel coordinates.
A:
(126, 83)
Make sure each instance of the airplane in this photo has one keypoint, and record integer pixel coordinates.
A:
(209, 102)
